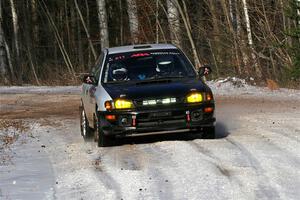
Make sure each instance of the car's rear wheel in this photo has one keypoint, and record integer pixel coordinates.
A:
(99, 136)
(85, 129)
(209, 133)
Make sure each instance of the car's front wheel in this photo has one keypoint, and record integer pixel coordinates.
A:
(101, 139)
(85, 129)
(209, 133)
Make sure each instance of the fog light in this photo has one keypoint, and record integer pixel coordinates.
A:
(110, 117)
(196, 115)
(208, 110)
(123, 104)
(194, 98)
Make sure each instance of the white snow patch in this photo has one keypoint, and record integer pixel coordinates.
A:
(40, 90)
(232, 86)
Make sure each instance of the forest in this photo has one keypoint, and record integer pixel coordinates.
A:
(53, 42)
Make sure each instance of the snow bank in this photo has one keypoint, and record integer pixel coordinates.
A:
(232, 86)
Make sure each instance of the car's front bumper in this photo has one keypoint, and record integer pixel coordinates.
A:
(157, 119)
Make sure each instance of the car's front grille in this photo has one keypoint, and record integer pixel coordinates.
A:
(160, 116)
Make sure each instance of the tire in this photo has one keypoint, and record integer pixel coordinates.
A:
(101, 139)
(209, 133)
(86, 131)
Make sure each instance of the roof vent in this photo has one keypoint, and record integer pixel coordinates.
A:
(142, 47)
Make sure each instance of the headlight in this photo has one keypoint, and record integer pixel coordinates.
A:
(123, 104)
(194, 98)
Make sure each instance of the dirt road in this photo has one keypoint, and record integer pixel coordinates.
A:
(256, 154)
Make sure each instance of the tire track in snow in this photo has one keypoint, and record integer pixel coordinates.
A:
(265, 190)
(278, 150)
(214, 161)
(162, 186)
(102, 171)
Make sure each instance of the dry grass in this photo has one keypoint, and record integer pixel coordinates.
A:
(272, 85)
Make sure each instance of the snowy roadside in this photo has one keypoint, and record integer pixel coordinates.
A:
(39, 90)
(23, 163)
(230, 86)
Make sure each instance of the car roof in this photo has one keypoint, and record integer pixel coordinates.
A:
(140, 47)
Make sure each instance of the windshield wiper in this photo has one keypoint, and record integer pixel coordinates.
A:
(166, 77)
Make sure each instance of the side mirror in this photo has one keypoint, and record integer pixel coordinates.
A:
(204, 70)
(89, 79)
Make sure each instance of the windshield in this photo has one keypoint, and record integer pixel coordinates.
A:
(146, 65)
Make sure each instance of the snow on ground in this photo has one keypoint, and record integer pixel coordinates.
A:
(235, 86)
(39, 90)
(255, 156)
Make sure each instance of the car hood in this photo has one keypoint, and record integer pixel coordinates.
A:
(169, 88)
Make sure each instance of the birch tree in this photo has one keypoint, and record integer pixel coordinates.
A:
(174, 22)
(16, 38)
(3, 66)
(250, 40)
(133, 20)
(102, 15)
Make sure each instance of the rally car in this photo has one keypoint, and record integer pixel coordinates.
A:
(145, 88)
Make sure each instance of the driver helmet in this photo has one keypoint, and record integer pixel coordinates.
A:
(118, 72)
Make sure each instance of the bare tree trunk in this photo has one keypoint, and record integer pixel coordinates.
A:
(29, 45)
(241, 40)
(174, 22)
(250, 40)
(59, 40)
(133, 20)
(79, 47)
(89, 60)
(3, 65)
(229, 18)
(216, 31)
(298, 11)
(34, 20)
(158, 24)
(9, 60)
(186, 24)
(16, 39)
(121, 23)
(86, 30)
(102, 15)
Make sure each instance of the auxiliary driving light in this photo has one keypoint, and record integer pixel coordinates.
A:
(194, 98)
(123, 104)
